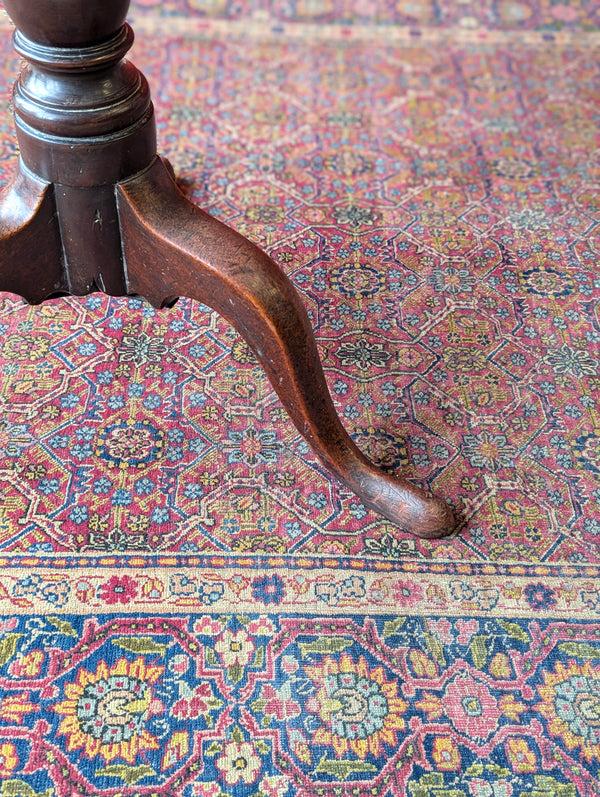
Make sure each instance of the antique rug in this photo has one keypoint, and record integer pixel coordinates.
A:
(190, 604)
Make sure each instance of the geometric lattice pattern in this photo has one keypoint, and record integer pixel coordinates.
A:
(191, 605)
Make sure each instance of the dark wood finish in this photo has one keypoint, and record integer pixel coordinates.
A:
(92, 208)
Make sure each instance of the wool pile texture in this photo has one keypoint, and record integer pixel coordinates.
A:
(190, 604)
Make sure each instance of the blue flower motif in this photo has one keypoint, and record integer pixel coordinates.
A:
(193, 491)
(135, 390)
(197, 399)
(152, 401)
(82, 451)
(357, 511)
(293, 528)
(591, 525)
(539, 596)
(87, 349)
(115, 402)
(188, 547)
(160, 515)
(230, 525)
(144, 486)
(48, 486)
(104, 377)
(102, 486)
(69, 401)
(268, 589)
(79, 514)
(210, 592)
(351, 411)
(122, 498)
(41, 547)
(317, 500)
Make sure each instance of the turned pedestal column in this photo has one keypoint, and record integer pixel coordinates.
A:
(92, 208)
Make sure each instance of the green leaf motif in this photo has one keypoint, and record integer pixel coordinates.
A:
(258, 706)
(63, 626)
(130, 775)
(18, 788)
(331, 644)
(341, 769)
(214, 749)
(235, 673)
(259, 657)
(237, 735)
(432, 785)
(8, 648)
(142, 644)
(515, 631)
(478, 650)
(393, 626)
(580, 649)
(211, 657)
(435, 647)
(475, 771)
(547, 786)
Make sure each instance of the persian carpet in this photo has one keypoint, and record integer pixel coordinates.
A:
(190, 604)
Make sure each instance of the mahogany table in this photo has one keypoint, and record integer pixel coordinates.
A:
(93, 208)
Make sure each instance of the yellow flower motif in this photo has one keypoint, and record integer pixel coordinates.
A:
(359, 709)
(104, 712)
(445, 753)
(521, 757)
(571, 703)
(8, 759)
(27, 665)
(14, 708)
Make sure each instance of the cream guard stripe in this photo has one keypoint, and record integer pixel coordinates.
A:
(323, 592)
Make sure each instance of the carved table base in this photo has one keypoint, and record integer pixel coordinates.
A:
(92, 208)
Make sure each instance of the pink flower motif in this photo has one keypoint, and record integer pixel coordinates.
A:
(279, 704)
(196, 705)
(407, 593)
(118, 589)
(442, 630)
(207, 625)
(28, 665)
(205, 789)
(274, 785)
(180, 664)
(471, 707)
(289, 665)
(467, 630)
(261, 627)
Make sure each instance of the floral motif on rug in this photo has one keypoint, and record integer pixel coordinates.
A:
(437, 210)
(275, 706)
(190, 604)
(542, 15)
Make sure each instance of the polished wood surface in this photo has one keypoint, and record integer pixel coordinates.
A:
(93, 208)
